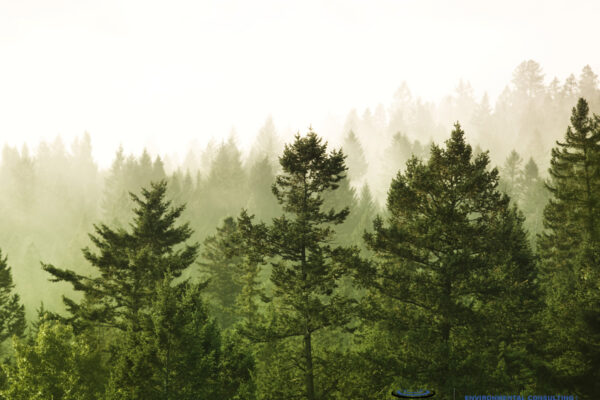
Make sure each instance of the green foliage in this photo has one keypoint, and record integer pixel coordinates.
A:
(260, 200)
(128, 174)
(221, 257)
(454, 279)
(57, 365)
(12, 312)
(231, 261)
(237, 367)
(177, 353)
(570, 249)
(306, 269)
(128, 265)
(526, 190)
(224, 191)
(512, 177)
(172, 354)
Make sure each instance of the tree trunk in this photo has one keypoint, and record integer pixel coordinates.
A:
(309, 376)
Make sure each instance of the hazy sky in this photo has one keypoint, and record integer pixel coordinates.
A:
(160, 73)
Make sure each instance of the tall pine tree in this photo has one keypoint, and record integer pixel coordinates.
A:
(305, 267)
(570, 253)
(453, 281)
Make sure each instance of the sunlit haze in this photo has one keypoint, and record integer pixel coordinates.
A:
(160, 74)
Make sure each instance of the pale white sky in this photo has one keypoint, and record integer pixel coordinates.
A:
(161, 73)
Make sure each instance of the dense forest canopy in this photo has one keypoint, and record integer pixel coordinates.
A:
(410, 250)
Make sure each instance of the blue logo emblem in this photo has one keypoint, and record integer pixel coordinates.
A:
(420, 394)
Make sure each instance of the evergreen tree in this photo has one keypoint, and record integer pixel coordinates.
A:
(366, 211)
(305, 267)
(267, 144)
(588, 86)
(224, 191)
(512, 176)
(528, 80)
(130, 263)
(395, 156)
(221, 259)
(482, 119)
(115, 202)
(400, 114)
(158, 170)
(12, 312)
(453, 282)
(261, 201)
(535, 197)
(357, 165)
(464, 102)
(570, 90)
(344, 197)
(570, 253)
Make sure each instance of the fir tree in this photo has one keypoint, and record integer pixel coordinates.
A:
(224, 191)
(220, 261)
(357, 165)
(588, 86)
(453, 279)
(130, 263)
(266, 144)
(366, 210)
(528, 80)
(261, 201)
(12, 312)
(570, 253)
(535, 197)
(512, 176)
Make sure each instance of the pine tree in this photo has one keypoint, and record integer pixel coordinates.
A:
(266, 144)
(570, 253)
(570, 90)
(260, 200)
(305, 268)
(464, 102)
(366, 210)
(395, 156)
(535, 197)
(231, 262)
(12, 312)
(453, 281)
(115, 201)
(528, 80)
(130, 263)
(357, 165)
(344, 197)
(401, 110)
(482, 119)
(512, 176)
(224, 191)
(588, 86)
(221, 259)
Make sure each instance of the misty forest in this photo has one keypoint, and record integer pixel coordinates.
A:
(451, 246)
